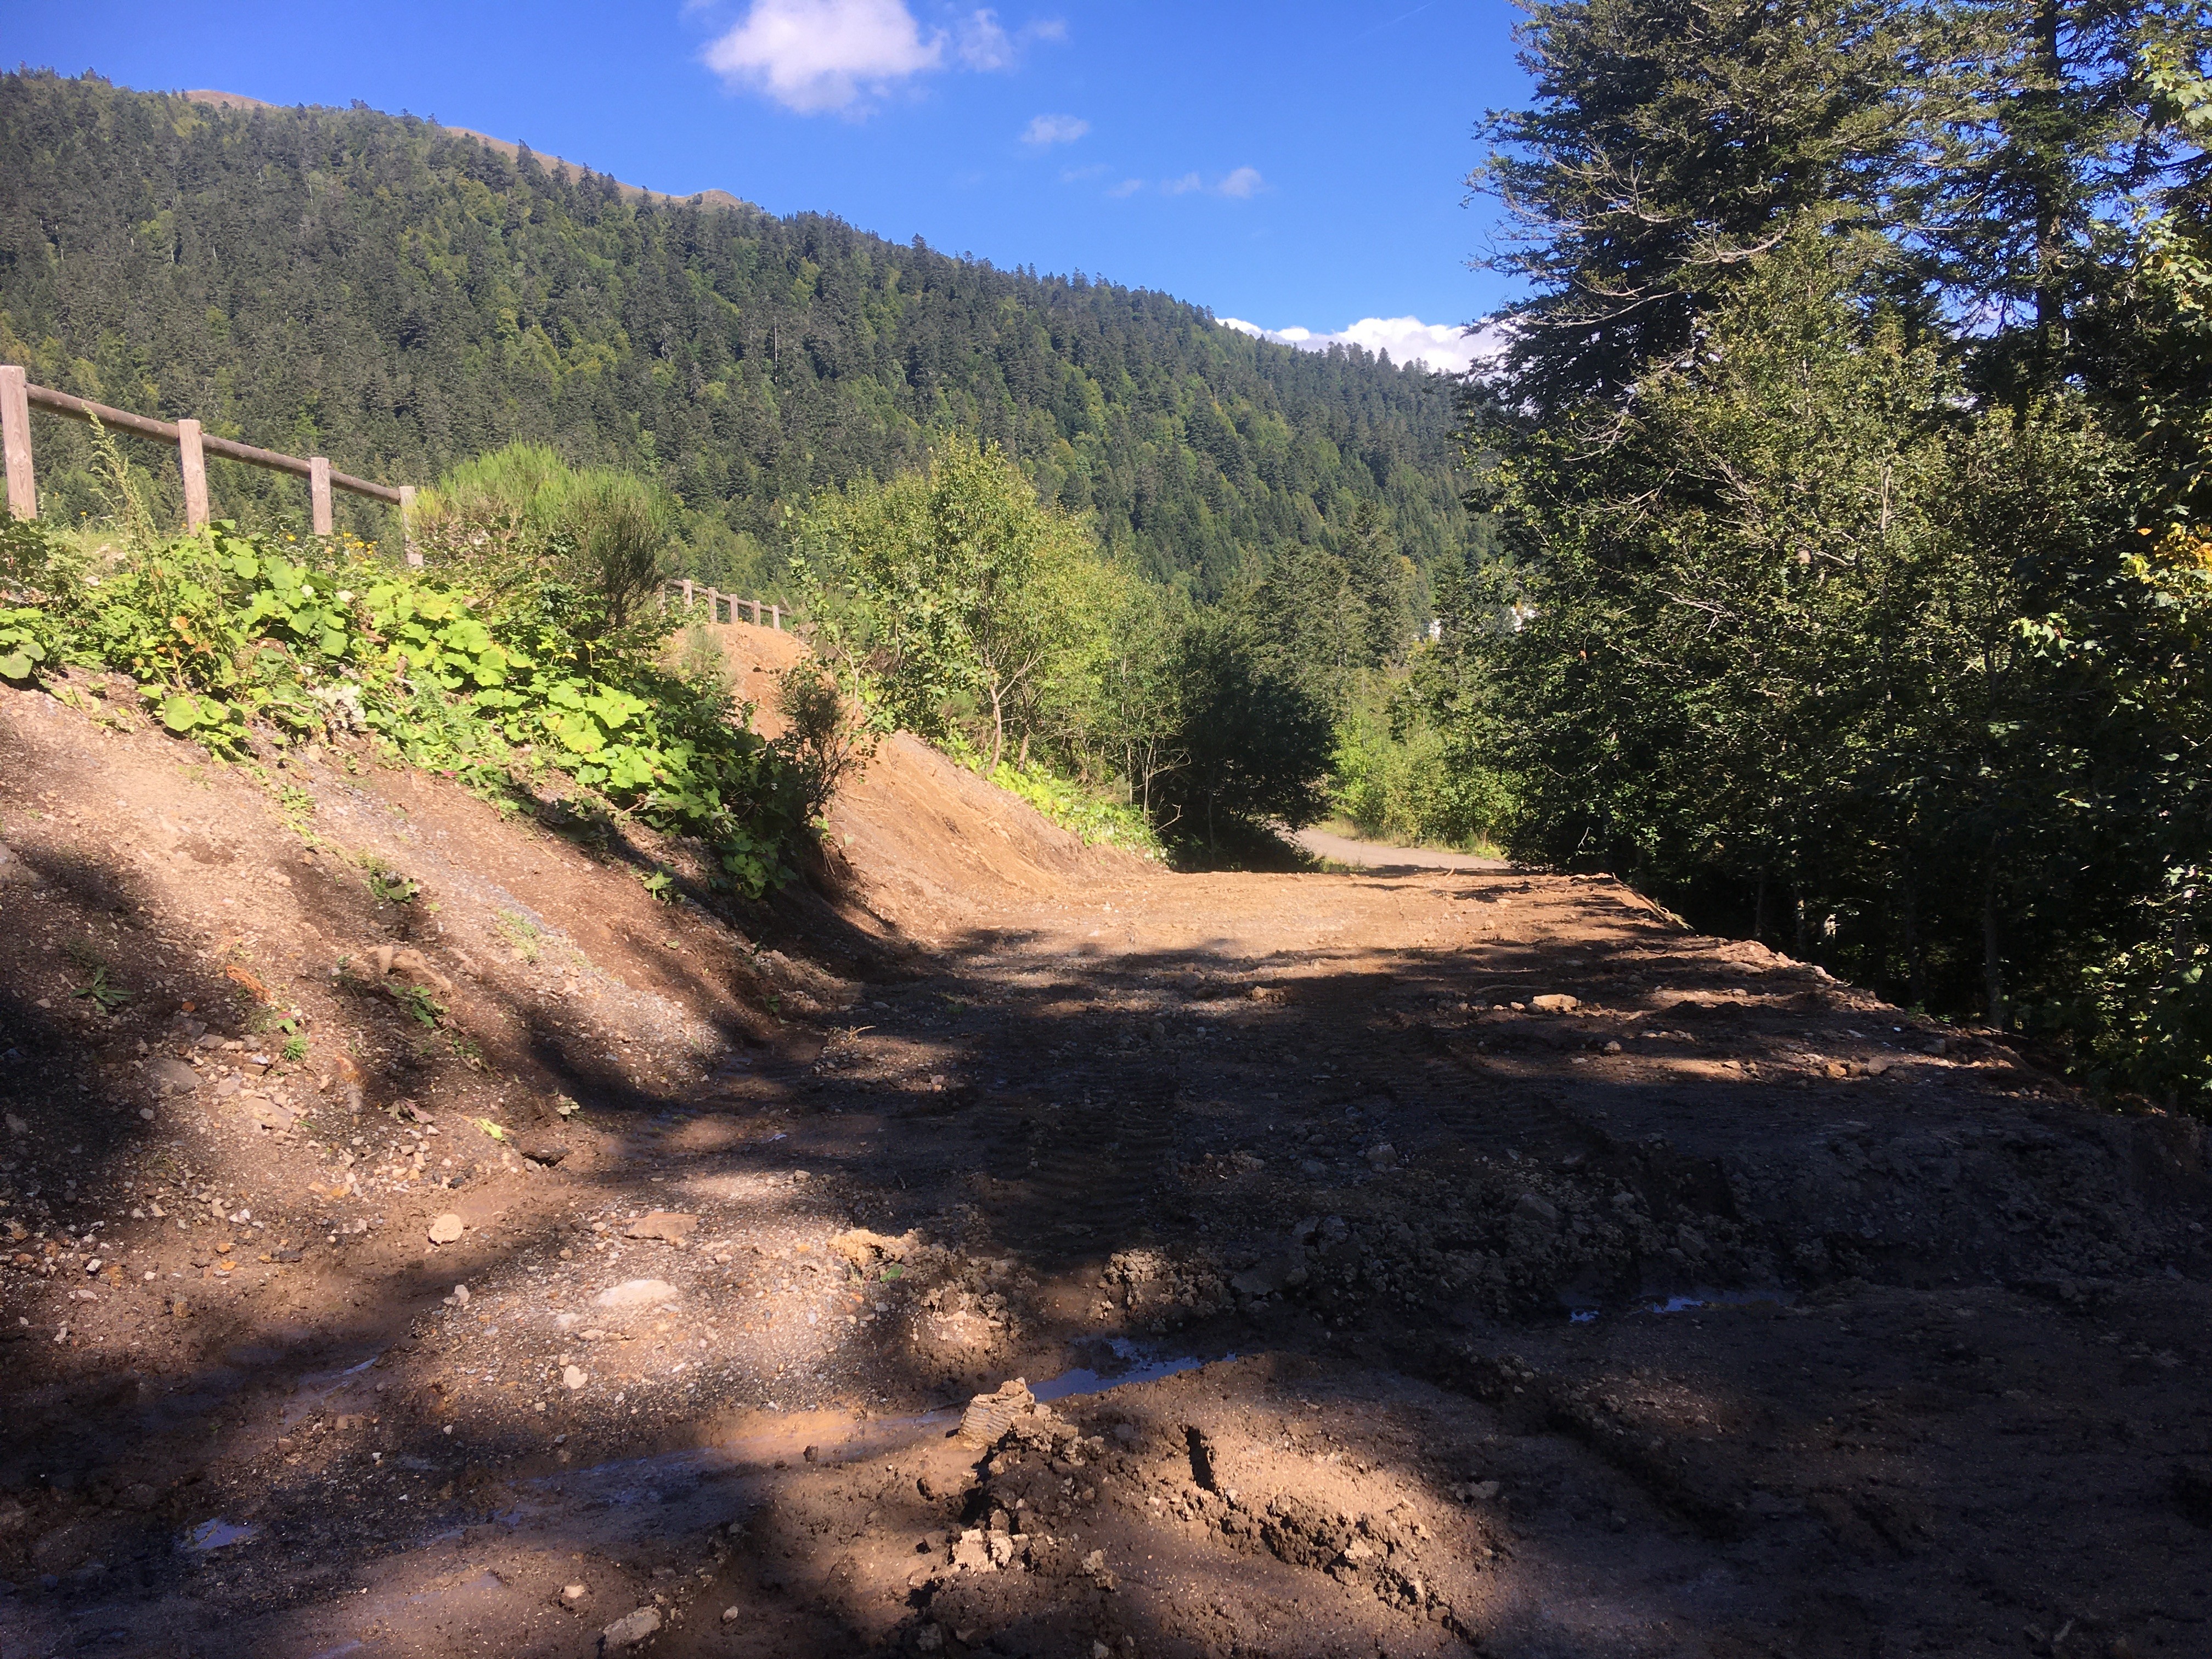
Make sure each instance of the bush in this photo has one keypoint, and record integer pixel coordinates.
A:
(242, 645)
(1254, 740)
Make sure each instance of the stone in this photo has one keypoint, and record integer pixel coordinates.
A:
(666, 1225)
(1612, 1047)
(631, 1628)
(1382, 1155)
(972, 1553)
(1262, 1278)
(731, 1615)
(1556, 1003)
(929, 1638)
(447, 1228)
(1531, 1207)
(989, 1416)
(572, 1377)
(572, 1593)
(14, 869)
(542, 1149)
(172, 1076)
(408, 963)
(637, 1293)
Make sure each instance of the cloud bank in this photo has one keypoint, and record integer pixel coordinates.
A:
(816, 56)
(1441, 346)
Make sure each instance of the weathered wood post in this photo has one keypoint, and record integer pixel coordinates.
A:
(16, 435)
(319, 492)
(687, 596)
(775, 617)
(407, 524)
(192, 457)
(756, 605)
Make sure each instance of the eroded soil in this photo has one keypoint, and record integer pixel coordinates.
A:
(1721, 1309)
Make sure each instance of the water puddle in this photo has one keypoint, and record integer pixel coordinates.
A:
(218, 1534)
(313, 1391)
(1580, 1311)
(1137, 1368)
(1690, 1301)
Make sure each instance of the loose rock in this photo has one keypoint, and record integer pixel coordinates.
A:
(172, 1076)
(989, 1416)
(447, 1228)
(666, 1225)
(631, 1628)
(637, 1293)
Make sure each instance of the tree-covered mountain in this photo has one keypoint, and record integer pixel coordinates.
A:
(399, 296)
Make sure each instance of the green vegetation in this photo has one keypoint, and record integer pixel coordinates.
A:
(1850, 470)
(396, 296)
(249, 647)
(954, 603)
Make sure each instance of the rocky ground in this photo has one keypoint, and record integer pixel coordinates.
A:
(1396, 1261)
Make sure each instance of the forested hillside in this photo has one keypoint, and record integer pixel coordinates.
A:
(400, 297)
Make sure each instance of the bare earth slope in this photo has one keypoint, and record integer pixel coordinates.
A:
(1383, 1308)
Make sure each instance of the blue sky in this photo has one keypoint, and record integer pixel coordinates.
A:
(1297, 165)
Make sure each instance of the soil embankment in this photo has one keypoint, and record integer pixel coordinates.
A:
(1497, 1266)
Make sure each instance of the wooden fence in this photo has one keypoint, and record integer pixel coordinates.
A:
(18, 397)
(716, 601)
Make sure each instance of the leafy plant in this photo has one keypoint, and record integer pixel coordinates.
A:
(26, 641)
(661, 885)
(423, 1008)
(386, 885)
(296, 1049)
(104, 991)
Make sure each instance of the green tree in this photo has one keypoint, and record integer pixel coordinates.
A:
(957, 601)
(1252, 738)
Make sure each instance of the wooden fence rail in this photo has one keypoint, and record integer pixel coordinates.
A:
(717, 599)
(18, 397)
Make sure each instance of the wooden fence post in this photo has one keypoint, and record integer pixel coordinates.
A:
(407, 524)
(16, 435)
(319, 492)
(775, 618)
(756, 605)
(687, 596)
(193, 460)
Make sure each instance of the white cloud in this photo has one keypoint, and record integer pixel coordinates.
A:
(1242, 182)
(814, 56)
(1045, 130)
(1441, 346)
(1127, 187)
(983, 45)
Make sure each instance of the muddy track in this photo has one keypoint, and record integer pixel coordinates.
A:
(1409, 1260)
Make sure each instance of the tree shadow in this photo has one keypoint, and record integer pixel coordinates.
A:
(1093, 1124)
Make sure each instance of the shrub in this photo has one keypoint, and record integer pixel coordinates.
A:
(236, 643)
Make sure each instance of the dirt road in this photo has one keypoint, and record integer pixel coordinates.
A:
(1411, 1261)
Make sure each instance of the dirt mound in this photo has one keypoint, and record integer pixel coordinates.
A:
(919, 841)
